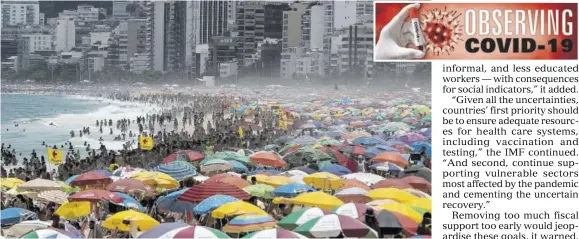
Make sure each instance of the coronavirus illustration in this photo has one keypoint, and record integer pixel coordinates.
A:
(442, 30)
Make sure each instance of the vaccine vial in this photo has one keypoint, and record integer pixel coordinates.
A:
(418, 38)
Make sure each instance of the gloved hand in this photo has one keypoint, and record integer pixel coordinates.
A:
(394, 38)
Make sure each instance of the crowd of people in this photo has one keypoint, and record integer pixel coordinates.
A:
(228, 121)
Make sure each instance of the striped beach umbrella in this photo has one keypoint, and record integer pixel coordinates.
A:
(274, 233)
(50, 233)
(334, 225)
(181, 230)
(178, 170)
(300, 217)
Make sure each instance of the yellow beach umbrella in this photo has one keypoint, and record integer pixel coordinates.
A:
(141, 220)
(10, 183)
(391, 193)
(323, 180)
(73, 210)
(274, 181)
(236, 208)
(317, 199)
(404, 210)
(422, 203)
(157, 180)
(417, 193)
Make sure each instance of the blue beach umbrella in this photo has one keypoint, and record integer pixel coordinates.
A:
(368, 141)
(105, 172)
(387, 166)
(130, 202)
(67, 181)
(213, 202)
(373, 151)
(169, 202)
(178, 169)
(13, 216)
(238, 167)
(335, 169)
(291, 190)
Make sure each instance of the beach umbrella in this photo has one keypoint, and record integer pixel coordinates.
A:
(185, 155)
(235, 181)
(392, 183)
(73, 210)
(105, 172)
(249, 223)
(69, 179)
(418, 183)
(368, 141)
(11, 216)
(117, 221)
(294, 172)
(236, 208)
(333, 225)
(24, 227)
(411, 138)
(326, 141)
(289, 148)
(304, 140)
(301, 216)
(352, 149)
(205, 190)
(291, 190)
(417, 193)
(55, 196)
(355, 198)
(352, 191)
(259, 190)
(387, 167)
(127, 172)
(391, 193)
(391, 157)
(421, 204)
(10, 183)
(170, 203)
(270, 159)
(213, 202)
(393, 220)
(367, 178)
(354, 183)
(334, 153)
(129, 185)
(422, 172)
(356, 134)
(156, 180)
(353, 210)
(178, 170)
(91, 179)
(181, 230)
(50, 233)
(427, 133)
(402, 209)
(323, 180)
(316, 199)
(297, 157)
(130, 202)
(283, 140)
(265, 172)
(308, 126)
(238, 166)
(67, 188)
(306, 170)
(95, 195)
(373, 151)
(274, 181)
(216, 165)
(274, 233)
(335, 169)
(38, 185)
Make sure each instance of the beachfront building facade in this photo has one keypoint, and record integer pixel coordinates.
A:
(65, 34)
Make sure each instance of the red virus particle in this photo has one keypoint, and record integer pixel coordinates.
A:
(442, 30)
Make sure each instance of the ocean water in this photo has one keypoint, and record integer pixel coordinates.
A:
(51, 118)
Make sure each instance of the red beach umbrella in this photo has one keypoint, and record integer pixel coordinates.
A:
(190, 155)
(130, 185)
(95, 195)
(91, 179)
(205, 190)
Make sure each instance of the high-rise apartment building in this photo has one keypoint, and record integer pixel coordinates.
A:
(20, 13)
(65, 34)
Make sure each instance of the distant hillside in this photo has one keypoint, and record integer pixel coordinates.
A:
(52, 8)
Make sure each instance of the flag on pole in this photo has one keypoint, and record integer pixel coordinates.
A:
(55, 156)
(146, 143)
